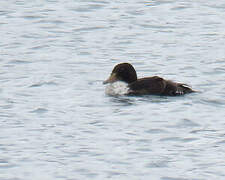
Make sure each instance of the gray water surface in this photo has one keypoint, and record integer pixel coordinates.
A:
(56, 121)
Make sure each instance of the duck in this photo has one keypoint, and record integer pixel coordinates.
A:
(155, 85)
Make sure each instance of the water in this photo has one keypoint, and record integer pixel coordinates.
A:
(56, 120)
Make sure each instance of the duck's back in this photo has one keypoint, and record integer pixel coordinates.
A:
(150, 85)
(158, 86)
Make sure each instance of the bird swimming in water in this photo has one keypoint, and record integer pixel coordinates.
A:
(125, 72)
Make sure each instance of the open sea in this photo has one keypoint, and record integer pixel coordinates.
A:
(57, 123)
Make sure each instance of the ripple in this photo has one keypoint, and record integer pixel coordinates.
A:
(50, 83)
(111, 174)
(187, 123)
(221, 142)
(5, 164)
(5, 12)
(39, 47)
(213, 102)
(177, 139)
(88, 29)
(122, 101)
(173, 139)
(173, 178)
(152, 26)
(31, 17)
(158, 164)
(156, 131)
(203, 131)
(39, 111)
(17, 62)
(89, 8)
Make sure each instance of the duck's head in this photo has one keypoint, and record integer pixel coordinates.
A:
(122, 72)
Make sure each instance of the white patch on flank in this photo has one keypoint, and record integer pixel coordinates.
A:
(179, 92)
(117, 88)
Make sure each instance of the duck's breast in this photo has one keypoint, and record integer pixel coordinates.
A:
(117, 88)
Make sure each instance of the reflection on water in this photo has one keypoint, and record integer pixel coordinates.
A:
(122, 101)
(58, 123)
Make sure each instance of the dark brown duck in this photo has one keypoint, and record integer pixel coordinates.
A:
(150, 85)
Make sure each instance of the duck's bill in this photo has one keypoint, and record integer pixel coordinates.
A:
(111, 79)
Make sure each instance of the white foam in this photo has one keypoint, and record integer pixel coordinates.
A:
(117, 88)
